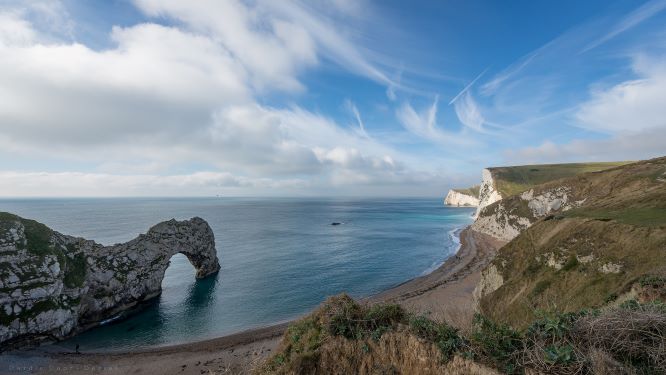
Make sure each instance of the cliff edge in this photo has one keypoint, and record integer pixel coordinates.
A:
(53, 286)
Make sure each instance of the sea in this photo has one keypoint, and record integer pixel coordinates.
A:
(280, 257)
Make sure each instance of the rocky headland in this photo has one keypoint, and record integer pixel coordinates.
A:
(463, 197)
(53, 286)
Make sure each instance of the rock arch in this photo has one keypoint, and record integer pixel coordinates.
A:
(59, 285)
(140, 264)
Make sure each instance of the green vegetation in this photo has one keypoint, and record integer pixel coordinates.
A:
(516, 179)
(37, 234)
(529, 283)
(342, 317)
(443, 335)
(38, 308)
(630, 337)
(75, 273)
(38, 238)
(604, 247)
(497, 343)
(473, 191)
(653, 281)
(641, 216)
(571, 263)
(540, 287)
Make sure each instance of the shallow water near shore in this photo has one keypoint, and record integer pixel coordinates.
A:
(280, 257)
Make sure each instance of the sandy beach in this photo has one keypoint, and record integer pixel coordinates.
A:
(446, 293)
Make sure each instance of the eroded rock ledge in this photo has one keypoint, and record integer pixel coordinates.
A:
(53, 286)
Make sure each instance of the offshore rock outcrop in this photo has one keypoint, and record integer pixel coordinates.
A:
(53, 286)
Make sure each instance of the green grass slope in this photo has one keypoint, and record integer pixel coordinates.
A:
(516, 179)
(473, 191)
(589, 256)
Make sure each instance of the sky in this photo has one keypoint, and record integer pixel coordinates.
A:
(320, 97)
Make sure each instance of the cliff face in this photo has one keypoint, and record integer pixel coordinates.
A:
(577, 242)
(456, 198)
(502, 182)
(53, 285)
(488, 194)
(507, 218)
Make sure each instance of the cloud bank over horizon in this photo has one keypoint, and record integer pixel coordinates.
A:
(304, 98)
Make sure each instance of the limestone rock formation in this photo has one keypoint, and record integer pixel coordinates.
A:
(488, 193)
(53, 286)
(460, 199)
(507, 218)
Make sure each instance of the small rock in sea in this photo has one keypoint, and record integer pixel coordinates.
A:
(335, 223)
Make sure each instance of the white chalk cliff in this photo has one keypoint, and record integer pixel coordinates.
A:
(456, 198)
(507, 218)
(53, 285)
(488, 193)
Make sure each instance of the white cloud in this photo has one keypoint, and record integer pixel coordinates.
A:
(424, 125)
(629, 106)
(512, 70)
(77, 184)
(641, 145)
(274, 39)
(634, 18)
(357, 116)
(14, 30)
(468, 112)
(163, 97)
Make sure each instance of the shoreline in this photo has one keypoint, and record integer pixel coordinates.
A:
(444, 293)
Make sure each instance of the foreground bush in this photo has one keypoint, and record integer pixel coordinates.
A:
(628, 339)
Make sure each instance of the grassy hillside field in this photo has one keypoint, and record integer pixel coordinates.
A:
(595, 255)
(516, 179)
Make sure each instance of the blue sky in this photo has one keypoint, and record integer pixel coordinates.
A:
(327, 97)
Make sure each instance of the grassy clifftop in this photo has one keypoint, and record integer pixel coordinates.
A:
(473, 191)
(595, 255)
(516, 179)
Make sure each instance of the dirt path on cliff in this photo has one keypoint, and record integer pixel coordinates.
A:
(446, 293)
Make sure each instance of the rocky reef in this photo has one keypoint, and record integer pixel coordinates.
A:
(53, 286)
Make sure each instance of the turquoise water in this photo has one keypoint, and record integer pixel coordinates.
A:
(280, 257)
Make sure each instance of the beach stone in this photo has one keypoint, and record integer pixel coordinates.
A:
(60, 285)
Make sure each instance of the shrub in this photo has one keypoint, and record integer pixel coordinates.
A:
(540, 287)
(344, 317)
(552, 325)
(498, 342)
(631, 338)
(75, 274)
(570, 264)
(610, 298)
(444, 336)
(634, 336)
(559, 354)
(652, 281)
